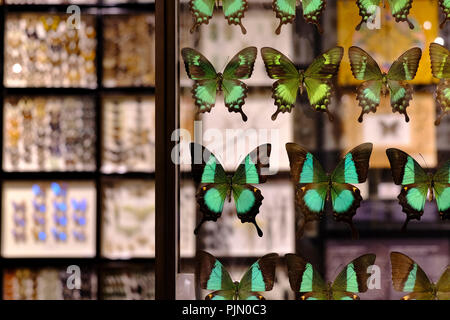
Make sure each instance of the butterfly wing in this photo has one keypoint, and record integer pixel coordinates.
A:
(235, 91)
(234, 11)
(401, 94)
(440, 61)
(414, 181)
(305, 279)
(284, 91)
(221, 295)
(443, 99)
(443, 285)
(211, 275)
(202, 12)
(441, 188)
(317, 83)
(312, 11)
(400, 10)
(353, 278)
(367, 8)
(285, 11)
(203, 73)
(310, 180)
(407, 276)
(214, 183)
(247, 198)
(445, 7)
(364, 67)
(259, 277)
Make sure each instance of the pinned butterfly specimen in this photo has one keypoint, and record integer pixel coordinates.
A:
(389, 128)
(314, 185)
(285, 11)
(416, 183)
(211, 275)
(399, 9)
(202, 11)
(408, 276)
(216, 186)
(445, 7)
(440, 68)
(352, 279)
(316, 79)
(208, 82)
(376, 82)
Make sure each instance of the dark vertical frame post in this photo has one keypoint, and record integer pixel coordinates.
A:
(166, 197)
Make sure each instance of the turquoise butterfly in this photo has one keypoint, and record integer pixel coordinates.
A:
(399, 9)
(285, 11)
(216, 186)
(211, 275)
(408, 276)
(313, 185)
(306, 280)
(415, 184)
(208, 82)
(202, 11)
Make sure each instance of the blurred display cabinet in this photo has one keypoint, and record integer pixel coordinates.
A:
(48, 219)
(127, 283)
(129, 51)
(128, 134)
(50, 133)
(49, 284)
(42, 51)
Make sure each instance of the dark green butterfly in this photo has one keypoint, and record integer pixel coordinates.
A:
(212, 275)
(399, 9)
(313, 185)
(316, 79)
(445, 6)
(208, 82)
(408, 276)
(306, 280)
(415, 184)
(202, 11)
(312, 10)
(216, 186)
(376, 82)
(440, 68)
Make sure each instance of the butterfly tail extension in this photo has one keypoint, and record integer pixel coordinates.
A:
(355, 233)
(405, 225)
(197, 228)
(438, 120)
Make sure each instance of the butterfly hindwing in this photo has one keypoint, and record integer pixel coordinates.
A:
(441, 188)
(445, 7)
(234, 11)
(285, 11)
(202, 11)
(211, 274)
(443, 99)
(353, 278)
(221, 295)
(401, 94)
(312, 11)
(400, 11)
(259, 277)
(345, 199)
(407, 276)
(248, 199)
(235, 92)
(367, 8)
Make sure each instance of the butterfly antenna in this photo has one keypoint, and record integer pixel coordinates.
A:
(226, 62)
(426, 165)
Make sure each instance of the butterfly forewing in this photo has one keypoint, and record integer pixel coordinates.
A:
(354, 167)
(305, 168)
(353, 278)
(197, 66)
(211, 274)
(363, 66)
(241, 65)
(302, 275)
(440, 61)
(260, 276)
(251, 169)
(205, 166)
(442, 190)
(407, 276)
(405, 67)
(326, 65)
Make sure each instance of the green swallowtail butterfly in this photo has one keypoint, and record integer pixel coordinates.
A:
(312, 10)
(304, 278)
(313, 185)
(208, 81)
(440, 68)
(212, 275)
(399, 9)
(415, 184)
(408, 276)
(202, 12)
(216, 186)
(316, 79)
(375, 82)
(445, 6)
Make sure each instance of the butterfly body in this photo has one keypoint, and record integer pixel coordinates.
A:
(315, 80)
(208, 82)
(376, 82)
(212, 275)
(305, 279)
(418, 185)
(408, 276)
